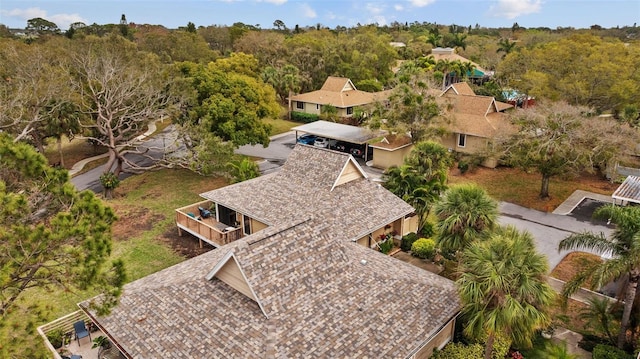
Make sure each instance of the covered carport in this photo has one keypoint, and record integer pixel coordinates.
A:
(628, 191)
(337, 131)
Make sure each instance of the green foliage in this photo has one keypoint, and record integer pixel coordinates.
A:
(369, 85)
(304, 117)
(506, 266)
(472, 350)
(386, 246)
(424, 248)
(608, 352)
(243, 169)
(465, 213)
(459, 351)
(624, 247)
(101, 341)
(230, 100)
(51, 234)
(407, 241)
(109, 180)
(55, 337)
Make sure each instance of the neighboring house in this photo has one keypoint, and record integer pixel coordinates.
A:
(301, 287)
(478, 75)
(474, 121)
(338, 92)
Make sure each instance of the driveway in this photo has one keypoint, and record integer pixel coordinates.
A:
(548, 229)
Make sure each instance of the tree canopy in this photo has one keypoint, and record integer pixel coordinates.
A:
(50, 234)
(557, 139)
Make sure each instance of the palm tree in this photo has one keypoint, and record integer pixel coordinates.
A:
(599, 317)
(503, 288)
(506, 46)
(624, 246)
(465, 213)
(408, 183)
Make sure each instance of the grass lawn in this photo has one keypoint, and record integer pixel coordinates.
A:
(280, 125)
(516, 186)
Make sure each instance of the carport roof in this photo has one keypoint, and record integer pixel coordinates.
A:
(629, 190)
(338, 131)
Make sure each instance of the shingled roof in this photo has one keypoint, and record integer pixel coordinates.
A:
(310, 182)
(317, 295)
(340, 92)
(474, 114)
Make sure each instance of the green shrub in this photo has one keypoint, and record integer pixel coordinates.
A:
(463, 166)
(459, 351)
(55, 338)
(407, 241)
(303, 117)
(427, 230)
(602, 351)
(424, 248)
(386, 246)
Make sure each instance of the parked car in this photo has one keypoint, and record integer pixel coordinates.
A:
(324, 142)
(341, 146)
(307, 139)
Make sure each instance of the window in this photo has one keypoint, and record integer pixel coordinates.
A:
(247, 225)
(462, 140)
(349, 110)
(300, 105)
(317, 106)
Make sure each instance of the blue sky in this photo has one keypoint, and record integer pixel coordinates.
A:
(331, 13)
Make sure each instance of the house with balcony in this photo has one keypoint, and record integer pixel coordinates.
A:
(338, 92)
(312, 181)
(296, 280)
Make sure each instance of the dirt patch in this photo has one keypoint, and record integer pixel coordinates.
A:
(132, 221)
(185, 245)
(572, 263)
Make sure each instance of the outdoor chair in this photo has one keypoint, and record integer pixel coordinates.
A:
(81, 331)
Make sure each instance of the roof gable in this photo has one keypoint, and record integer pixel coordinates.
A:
(338, 84)
(351, 171)
(458, 88)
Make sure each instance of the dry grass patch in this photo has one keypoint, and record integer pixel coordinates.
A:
(522, 188)
(572, 263)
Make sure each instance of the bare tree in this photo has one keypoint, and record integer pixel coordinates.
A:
(121, 91)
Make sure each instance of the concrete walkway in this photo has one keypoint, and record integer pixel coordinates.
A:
(578, 196)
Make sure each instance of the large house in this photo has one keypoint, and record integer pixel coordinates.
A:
(338, 92)
(473, 121)
(302, 284)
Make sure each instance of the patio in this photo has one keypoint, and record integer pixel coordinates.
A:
(82, 347)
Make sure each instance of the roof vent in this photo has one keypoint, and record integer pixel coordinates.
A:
(363, 261)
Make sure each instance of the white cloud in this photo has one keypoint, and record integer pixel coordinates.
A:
(374, 8)
(62, 20)
(380, 20)
(307, 11)
(276, 2)
(398, 7)
(511, 9)
(421, 3)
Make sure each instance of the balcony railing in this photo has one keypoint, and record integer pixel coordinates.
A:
(205, 229)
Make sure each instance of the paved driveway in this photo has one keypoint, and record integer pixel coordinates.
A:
(548, 229)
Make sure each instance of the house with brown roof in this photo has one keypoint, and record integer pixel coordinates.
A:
(338, 92)
(312, 180)
(474, 121)
(302, 286)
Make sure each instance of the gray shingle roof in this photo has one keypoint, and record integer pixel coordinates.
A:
(303, 187)
(320, 299)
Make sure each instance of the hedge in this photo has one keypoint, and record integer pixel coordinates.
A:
(407, 241)
(304, 117)
(602, 351)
